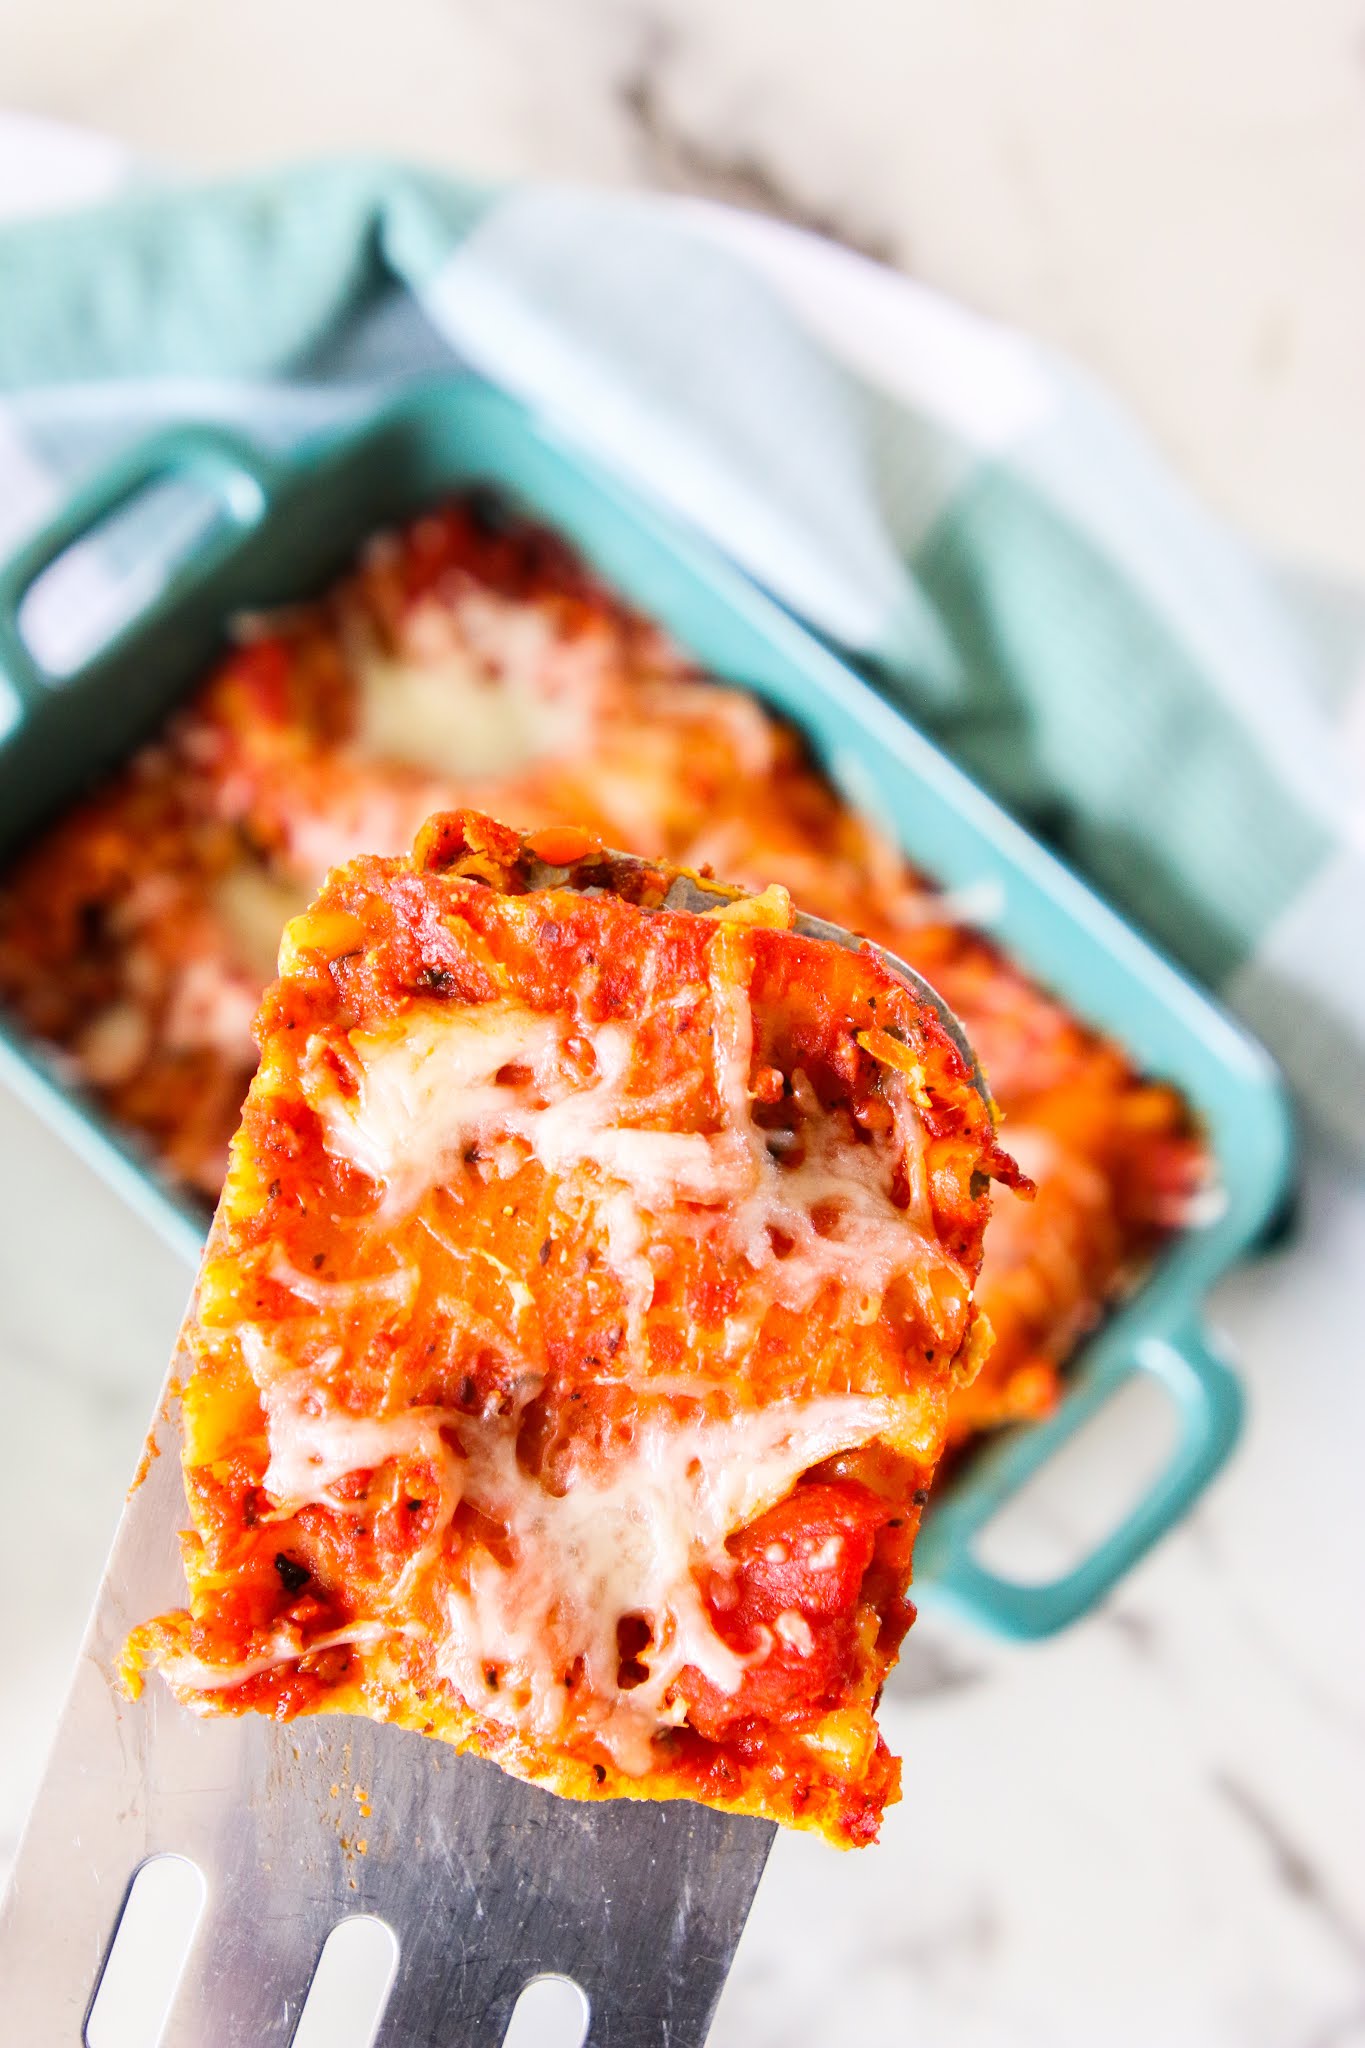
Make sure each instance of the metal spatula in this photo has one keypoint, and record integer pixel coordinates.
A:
(486, 1882)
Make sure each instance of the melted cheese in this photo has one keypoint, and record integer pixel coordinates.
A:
(625, 1541)
(255, 906)
(355, 813)
(628, 1537)
(395, 1288)
(529, 1630)
(427, 1091)
(480, 687)
(310, 1450)
(284, 1646)
(795, 1631)
(114, 1044)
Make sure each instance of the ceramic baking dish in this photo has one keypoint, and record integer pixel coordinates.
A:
(283, 529)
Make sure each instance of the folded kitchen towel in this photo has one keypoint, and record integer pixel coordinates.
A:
(951, 504)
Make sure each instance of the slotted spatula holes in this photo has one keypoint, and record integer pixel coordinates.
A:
(350, 1986)
(552, 2012)
(346, 1997)
(147, 1955)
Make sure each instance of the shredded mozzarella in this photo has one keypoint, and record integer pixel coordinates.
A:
(478, 687)
(529, 1633)
(311, 1451)
(427, 1090)
(285, 1646)
(256, 905)
(795, 1631)
(533, 1643)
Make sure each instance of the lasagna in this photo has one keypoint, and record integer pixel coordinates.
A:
(473, 660)
(571, 1352)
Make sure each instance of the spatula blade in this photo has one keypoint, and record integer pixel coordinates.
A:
(485, 1881)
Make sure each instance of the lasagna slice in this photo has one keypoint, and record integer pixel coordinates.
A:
(572, 1348)
(473, 660)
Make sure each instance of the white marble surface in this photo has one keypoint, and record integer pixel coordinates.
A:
(1151, 1830)
(1148, 1831)
(1174, 190)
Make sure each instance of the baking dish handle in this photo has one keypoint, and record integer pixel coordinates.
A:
(228, 469)
(1207, 1399)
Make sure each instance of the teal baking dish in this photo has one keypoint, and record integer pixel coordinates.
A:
(283, 528)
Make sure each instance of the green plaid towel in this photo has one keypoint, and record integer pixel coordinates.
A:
(941, 497)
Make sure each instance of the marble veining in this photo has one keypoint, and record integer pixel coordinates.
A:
(671, 156)
(1172, 191)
